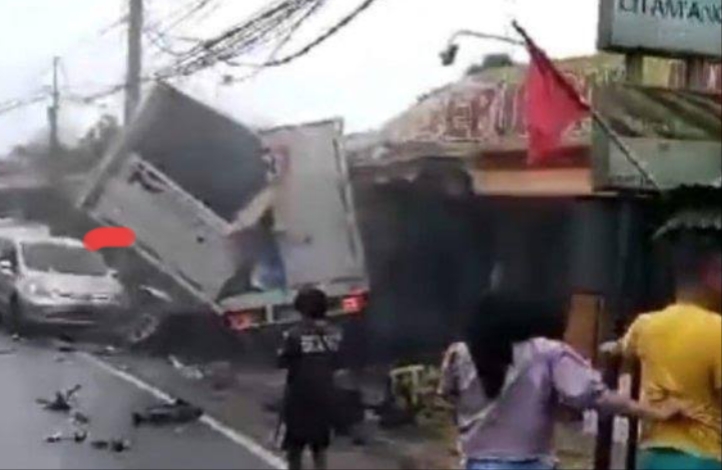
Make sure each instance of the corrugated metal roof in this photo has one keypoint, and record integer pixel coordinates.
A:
(707, 219)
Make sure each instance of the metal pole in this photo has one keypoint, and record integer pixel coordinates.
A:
(135, 58)
(619, 306)
(53, 112)
(626, 151)
(633, 440)
(695, 74)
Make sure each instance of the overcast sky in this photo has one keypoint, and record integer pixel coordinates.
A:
(371, 71)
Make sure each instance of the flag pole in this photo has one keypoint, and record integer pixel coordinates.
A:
(596, 116)
(626, 151)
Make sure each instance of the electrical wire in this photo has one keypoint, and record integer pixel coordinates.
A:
(281, 19)
(12, 105)
(194, 10)
(321, 39)
(281, 44)
(230, 52)
(260, 29)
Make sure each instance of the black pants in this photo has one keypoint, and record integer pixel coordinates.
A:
(307, 425)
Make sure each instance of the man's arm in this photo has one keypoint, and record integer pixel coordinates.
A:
(620, 404)
(448, 383)
(628, 346)
(580, 387)
(289, 350)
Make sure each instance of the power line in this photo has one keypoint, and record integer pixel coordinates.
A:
(12, 105)
(313, 44)
(287, 15)
(252, 33)
(321, 39)
(180, 15)
(194, 10)
(33, 98)
(285, 40)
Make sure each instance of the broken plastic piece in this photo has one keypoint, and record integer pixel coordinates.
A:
(80, 418)
(100, 444)
(54, 438)
(179, 412)
(119, 445)
(61, 402)
(189, 372)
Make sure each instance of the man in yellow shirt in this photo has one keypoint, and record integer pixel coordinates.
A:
(680, 350)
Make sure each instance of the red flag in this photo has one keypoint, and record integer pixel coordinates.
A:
(553, 105)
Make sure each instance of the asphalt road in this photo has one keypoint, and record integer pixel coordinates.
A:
(30, 370)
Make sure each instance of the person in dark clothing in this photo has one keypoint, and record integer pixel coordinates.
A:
(310, 353)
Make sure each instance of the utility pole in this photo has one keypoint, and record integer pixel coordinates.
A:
(135, 58)
(53, 111)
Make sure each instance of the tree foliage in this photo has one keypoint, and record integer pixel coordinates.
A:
(491, 61)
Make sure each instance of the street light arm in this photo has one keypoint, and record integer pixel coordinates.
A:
(480, 35)
(448, 56)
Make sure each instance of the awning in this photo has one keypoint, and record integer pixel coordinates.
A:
(676, 135)
(704, 220)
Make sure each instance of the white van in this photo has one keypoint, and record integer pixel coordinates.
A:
(55, 281)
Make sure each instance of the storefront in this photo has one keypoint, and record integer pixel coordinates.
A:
(558, 229)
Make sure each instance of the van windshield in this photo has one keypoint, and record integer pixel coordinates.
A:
(52, 257)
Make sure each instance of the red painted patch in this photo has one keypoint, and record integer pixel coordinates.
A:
(109, 237)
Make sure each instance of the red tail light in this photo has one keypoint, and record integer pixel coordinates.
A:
(241, 321)
(354, 303)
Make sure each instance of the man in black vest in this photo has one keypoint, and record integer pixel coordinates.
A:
(310, 352)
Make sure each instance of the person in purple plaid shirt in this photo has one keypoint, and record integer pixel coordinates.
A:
(512, 374)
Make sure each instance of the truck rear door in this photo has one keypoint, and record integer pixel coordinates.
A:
(313, 208)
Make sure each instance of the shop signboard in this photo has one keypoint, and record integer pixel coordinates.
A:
(676, 28)
(486, 112)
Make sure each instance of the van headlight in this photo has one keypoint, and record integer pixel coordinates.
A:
(36, 289)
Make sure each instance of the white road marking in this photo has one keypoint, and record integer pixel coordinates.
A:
(231, 434)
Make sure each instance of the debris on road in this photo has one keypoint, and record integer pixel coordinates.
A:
(79, 418)
(78, 437)
(100, 444)
(119, 446)
(189, 372)
(179, 412)
(114, 445)
(106, 351)
(54, 438)
(61, 402)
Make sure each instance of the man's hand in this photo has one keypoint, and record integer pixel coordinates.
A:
(664, 411)
(610, 349)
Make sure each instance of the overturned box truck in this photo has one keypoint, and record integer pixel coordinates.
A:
(239, 220)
